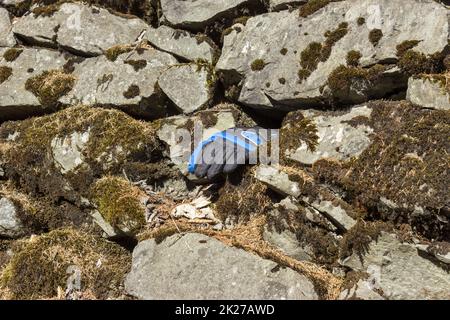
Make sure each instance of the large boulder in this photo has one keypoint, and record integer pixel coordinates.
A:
(18, 102)
(193, 14)
(429, 91)
(6, 35)
(344, 51)
(399, 272)
(209, 270)
(190, 86)
(124, 78)
(182, 44)
(83, 29)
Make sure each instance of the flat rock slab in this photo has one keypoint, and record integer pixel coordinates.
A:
(209, 270)
(189, 86)
(277, 40)
(15, 101)
(196, 14)
(400, 272)
(80, 28)
(6, 36)
(429, 92)
(182, 43)
(128, 82)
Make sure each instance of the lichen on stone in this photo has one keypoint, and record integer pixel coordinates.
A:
(136, 64)
(258, 65)
(132, 92)
(353, 58)
(375, 36)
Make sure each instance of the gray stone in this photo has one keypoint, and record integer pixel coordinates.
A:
(209, 270)
(6, 36)
(338, 139)
(17, 102)
(196, 14)
(182, 44)
(277, 180)
(400, 272)
(104, 82)
(428, 93)
(265, 36)
(334, 212)
(10, 224)
(363, 290)
(80, 28)
(67, 151)
(287, 242)
(440, 250)
(189, 86)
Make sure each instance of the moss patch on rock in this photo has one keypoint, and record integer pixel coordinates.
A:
(5, 73)
(51, 85)
(137, 64)
(12, 54)
(120, 203)
(44, 263)
(132, 92)
(114, 52)
(375, 36)
(312, 6)
(353, 58)
(258, 65)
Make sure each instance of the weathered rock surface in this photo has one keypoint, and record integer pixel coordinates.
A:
(16, 101)
(429, 92)
(400, 272)
(128, 82)
(193, 14)
(190, 86)
(80, 28)
(267, 53)
(338, 137)
(209, 270)
(10, 224)
(363, 290)
(6, 35)
(277, 180)
(182, 44)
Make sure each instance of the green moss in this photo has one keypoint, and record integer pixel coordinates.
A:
(50, 85)
(120, 203)
(258, 65)
(137, 64)
(296, 130)
(413, 63)
(357, 239)
(375, 36)
(132, 92)
(312, 6)
(284, 51)
(41, 266)
(360, 21)
(5, 73)
(353, 58)
(114, 52)
(340, 81)
(46, 11)
(316, 52)
(114, 139)
(12, 54)
(405, 46)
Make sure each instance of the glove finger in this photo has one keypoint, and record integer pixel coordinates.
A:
(201, 170)
(214, 170)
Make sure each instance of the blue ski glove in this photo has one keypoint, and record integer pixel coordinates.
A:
(224, 151)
